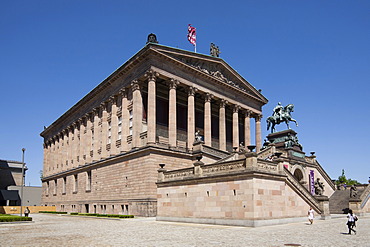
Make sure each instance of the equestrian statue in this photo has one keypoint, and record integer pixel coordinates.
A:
(281, 114)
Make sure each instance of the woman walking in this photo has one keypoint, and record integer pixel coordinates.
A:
(311, 215)
(351, 221)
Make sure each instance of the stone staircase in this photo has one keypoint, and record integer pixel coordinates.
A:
(339, 201)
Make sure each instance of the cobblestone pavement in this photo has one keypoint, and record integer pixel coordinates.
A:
(54, 230)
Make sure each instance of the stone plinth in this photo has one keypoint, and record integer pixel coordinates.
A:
(285, 139)
(324, 205)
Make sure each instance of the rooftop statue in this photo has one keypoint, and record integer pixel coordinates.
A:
(280, 114)
(152, 38)
(214, 50)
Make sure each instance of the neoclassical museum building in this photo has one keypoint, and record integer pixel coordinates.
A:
(193, 114)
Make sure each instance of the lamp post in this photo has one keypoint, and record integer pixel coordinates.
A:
(23, 150)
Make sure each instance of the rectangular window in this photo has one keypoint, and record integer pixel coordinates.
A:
(88, 181)
(55, 187)
(119, 128)
(130, 122)
(64, 185)
(109, 132)
(75, 183)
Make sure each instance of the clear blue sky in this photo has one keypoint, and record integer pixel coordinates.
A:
(314, 54)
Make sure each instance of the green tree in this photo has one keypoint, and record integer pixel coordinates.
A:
(343, 180)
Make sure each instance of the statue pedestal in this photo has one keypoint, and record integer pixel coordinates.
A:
(286, 139)
(324, 205)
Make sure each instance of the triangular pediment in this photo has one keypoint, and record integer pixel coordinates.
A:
(212, 66)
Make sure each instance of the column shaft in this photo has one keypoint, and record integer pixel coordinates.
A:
(125, 122)
(88, 138)
(96, 135)
(236, 127)
(114, 126)
(247, 129)
(151, 132)
(207, 120)
(258, 133)
(172, 115)
(82, 143)
(137, 112)
(222, 125)
(191, 117)
(104, 132)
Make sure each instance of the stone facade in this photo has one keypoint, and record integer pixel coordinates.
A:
(246, 188)
(103, 153)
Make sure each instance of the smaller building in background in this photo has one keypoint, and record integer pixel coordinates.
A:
(11, 183)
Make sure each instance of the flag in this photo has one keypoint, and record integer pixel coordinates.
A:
(192, 37)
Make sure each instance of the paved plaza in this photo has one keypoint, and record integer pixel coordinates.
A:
(54, 230)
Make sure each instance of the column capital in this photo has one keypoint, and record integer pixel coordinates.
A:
(247, 113)
(192, 91)
(103, 106)
(135, 85)
(65, 131)
(173, 83)
(151, 75)
(113, 99)
(236, 108)
(223, 103)
(88, 116)
(258, 117)
(123, 92)
(81, 120)
(95, 111)
(208, 97)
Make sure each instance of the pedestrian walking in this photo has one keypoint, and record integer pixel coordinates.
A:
(26, 212)
(352, 218)
(311, 215)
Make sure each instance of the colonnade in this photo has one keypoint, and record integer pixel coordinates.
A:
(100, 134)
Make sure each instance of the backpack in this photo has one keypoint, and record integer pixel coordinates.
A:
(355, 218)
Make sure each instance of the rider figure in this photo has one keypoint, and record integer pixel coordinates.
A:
(278, 111)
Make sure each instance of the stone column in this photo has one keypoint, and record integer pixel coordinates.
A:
(151, 117)
(125, 125)
(207, 120)
(96, 135)
(258, 132)
(222, 125)
(172, 119)
(70, 146)
(77, 144)
(82, 143)
(65, 149)
(191, 117)
(88, 138)
(247, 128)
(137, 112)
(114, 125)
(104, 132)
(59, 146)
(236, 126)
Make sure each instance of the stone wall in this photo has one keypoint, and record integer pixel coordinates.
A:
(125, 185)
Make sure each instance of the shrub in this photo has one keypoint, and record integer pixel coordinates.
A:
(11, 218)
(73, 213)
(52, 212)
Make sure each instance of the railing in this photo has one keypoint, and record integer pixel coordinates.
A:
(215, 152)
(303, 191)
(224, 167)
(267, 166)
(365, 196)
(179, 174)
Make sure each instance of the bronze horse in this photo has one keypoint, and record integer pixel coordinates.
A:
(285, 117)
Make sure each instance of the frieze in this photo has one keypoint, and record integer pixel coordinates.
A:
(212, 71)
(178, 174)
(223, 167)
